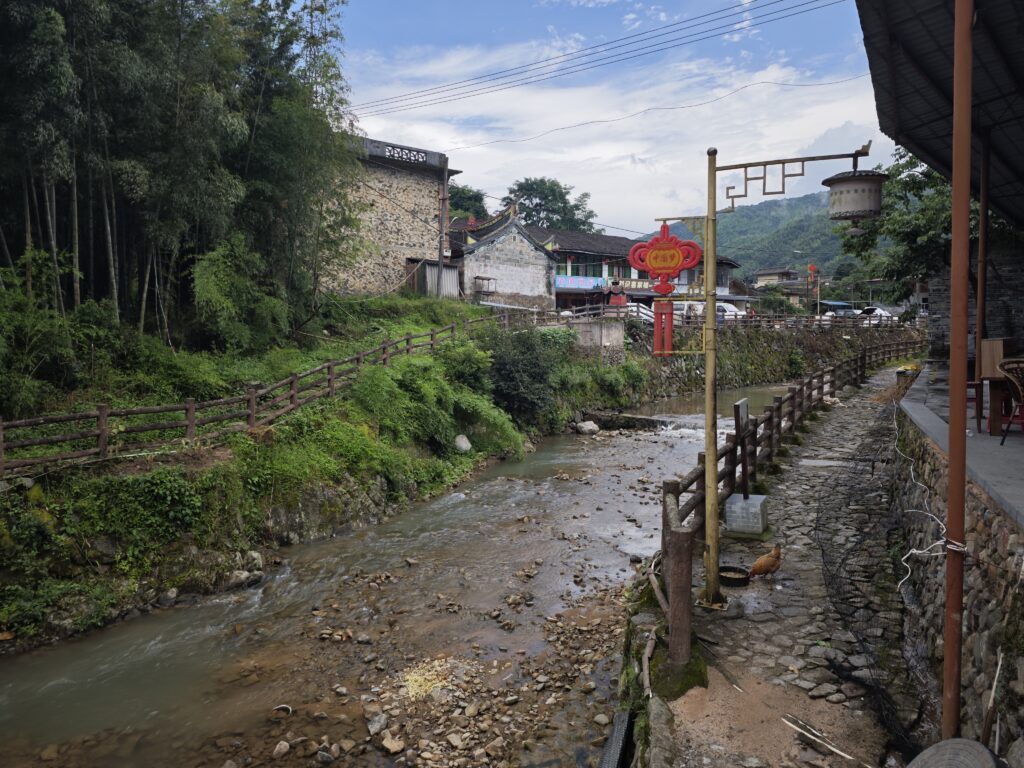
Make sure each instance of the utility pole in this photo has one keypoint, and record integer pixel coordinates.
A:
(442, 221)
(712, 592)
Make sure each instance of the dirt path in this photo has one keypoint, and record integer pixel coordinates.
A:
(805, 645)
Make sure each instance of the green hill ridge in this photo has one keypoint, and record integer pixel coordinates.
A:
(789, 232)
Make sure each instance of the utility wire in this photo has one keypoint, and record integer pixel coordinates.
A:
(576, 55)
(658, 109)
(603, 62)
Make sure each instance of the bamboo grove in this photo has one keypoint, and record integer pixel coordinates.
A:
(177, 166)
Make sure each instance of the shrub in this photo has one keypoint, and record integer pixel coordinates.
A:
(466, 364)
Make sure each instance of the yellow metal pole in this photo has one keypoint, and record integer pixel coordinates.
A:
(712, 593)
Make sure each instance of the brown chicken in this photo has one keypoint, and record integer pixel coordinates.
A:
(767, 564)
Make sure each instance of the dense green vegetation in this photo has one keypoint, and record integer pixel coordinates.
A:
(910, 240)
(52, 364)
(181, 167)
(80, 546)
(545, 202)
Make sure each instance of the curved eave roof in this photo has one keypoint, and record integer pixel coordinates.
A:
(910, 52)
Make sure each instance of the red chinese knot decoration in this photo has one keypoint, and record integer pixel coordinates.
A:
(663, 257)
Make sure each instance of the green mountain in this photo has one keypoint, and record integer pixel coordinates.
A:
(769, 234)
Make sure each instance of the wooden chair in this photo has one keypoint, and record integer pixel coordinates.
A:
(1013, 370)
(976, 395)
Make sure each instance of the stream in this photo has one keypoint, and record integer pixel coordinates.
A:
(483, 626)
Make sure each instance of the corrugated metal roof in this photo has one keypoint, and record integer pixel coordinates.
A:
(910, 51)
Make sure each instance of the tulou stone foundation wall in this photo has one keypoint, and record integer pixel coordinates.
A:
(993, 615)
(399, 222)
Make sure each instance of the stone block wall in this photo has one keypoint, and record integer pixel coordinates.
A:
(400, 221)
(601, 338)
(1004, 310)
(523, 274)
(993, 615)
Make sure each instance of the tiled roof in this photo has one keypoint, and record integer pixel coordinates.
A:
(570, 241)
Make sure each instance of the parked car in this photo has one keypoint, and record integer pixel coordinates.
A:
(842, 314)
(723, 308)
(875, 315)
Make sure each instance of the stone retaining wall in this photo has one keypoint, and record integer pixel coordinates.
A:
(993, 607)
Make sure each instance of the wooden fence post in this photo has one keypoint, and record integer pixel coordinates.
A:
(768, 434)
(331, 385)
(408, 344)
(792, 409)
(251, 397)
(384, 355)
(190, 418)
(293, 391)
(1, 448)
(732, 443)
(103, 428)
(359, 360)
(433, 340)
(752, 448)
(776, 424)
(677, 571)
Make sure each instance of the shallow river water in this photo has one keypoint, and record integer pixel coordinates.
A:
(474, 577)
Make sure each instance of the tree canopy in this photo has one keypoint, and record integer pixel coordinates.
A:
(144, 141)
(910, 241)
(466, 202)
(545, 202)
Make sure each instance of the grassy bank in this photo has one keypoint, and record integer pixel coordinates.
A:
(84, 547)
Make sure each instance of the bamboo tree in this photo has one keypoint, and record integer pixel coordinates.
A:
(111, 264)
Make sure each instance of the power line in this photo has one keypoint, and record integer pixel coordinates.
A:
(503, 74)
(658, 109)
(613, 60)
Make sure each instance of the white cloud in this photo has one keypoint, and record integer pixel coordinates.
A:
(635, 169)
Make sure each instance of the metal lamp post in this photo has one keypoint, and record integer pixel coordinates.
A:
(756, 171)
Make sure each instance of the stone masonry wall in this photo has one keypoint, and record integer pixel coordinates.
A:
(1004, 311)
(400, 222)
(523, 275)
(993, 614)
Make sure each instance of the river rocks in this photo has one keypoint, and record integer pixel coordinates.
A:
(462, 444)
(168, 598)
(377, 724)
(602, 719)
(392, 744)
(495, 748)
(252, 561)
(51, 753)
(241, 578)
(282, 749)
(1015, 754)
(587, 428)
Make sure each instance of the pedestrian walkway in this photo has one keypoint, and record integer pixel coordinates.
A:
(815, 648)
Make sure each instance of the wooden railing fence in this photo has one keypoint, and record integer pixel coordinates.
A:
(758, 440)
(109, 432)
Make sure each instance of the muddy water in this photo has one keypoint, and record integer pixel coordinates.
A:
(511, 580)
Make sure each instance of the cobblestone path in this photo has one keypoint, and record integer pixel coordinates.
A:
(819, 643)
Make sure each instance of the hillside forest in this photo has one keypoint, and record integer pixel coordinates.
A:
(166, 165)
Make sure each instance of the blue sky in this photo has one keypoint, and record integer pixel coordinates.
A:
(637, 168)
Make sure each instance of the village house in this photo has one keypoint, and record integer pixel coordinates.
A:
(501, 262)
(765, 277)
(401, 192)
